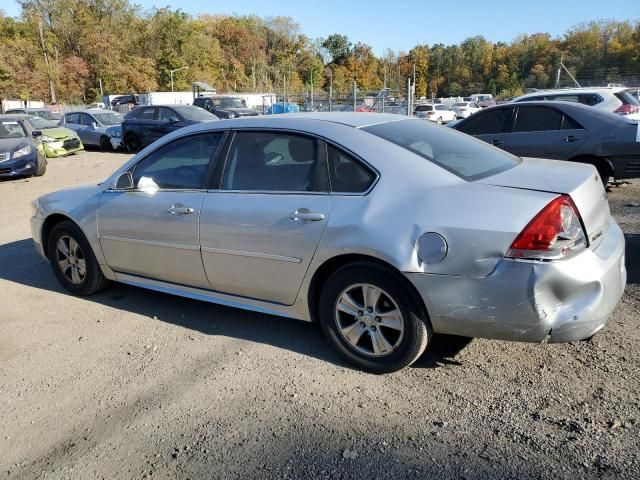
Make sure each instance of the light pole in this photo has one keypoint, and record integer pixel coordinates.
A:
(171, 72)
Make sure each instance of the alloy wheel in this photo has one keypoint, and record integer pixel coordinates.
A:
(369, 319)
(71, 260)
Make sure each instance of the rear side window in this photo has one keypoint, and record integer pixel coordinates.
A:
(459, 154)
(147, 114)
(181, 164)
(487, 123)
(347, 175)
(73, 118)
(537, 119)
(569, 123)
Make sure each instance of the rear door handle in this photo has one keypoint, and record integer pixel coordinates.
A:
(180, 210)
(570, 138)
(495, 143)
(303, 214)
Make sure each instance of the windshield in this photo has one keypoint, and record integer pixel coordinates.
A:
(11, 129)
(458, 153)
(46, 114)
(195, 114)
(229, 102)
(109, 118)
(38, 123)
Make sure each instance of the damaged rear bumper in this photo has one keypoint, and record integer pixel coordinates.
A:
(531, 301)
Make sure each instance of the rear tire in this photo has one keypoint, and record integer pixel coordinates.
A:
(73, 261)
(42, 166)
(380, 332)
(105, 144)
(133, 143)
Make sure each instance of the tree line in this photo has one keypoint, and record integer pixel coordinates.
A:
(66, 50)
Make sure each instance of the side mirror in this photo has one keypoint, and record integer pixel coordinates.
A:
(36, 133)
(124, 182)
(94, 125)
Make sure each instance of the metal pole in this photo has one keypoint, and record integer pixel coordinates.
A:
(312, 90)
(330, 90)
(559, 71)
(408, 96)
(384, 86)
(171, 74)
(284, 94)
(354, 95)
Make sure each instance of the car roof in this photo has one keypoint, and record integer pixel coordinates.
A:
(14, 116)
(351, 119)
(573, 90)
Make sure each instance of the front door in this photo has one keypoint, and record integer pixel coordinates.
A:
(152, 230)
(260, 230)
(489, 126)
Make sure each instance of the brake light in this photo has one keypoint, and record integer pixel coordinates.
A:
(627, 109)
(430, 113)
(553, 233)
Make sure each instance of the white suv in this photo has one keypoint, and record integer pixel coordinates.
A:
(465, 109)
(439, 113)
(611, 99)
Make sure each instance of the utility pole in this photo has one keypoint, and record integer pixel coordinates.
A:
(52, 86)
(284, 94)
(101, 92)
(330, 90)
(312, 90)
(384, 86)
(354, 95)
(559, 70)
(408, 96)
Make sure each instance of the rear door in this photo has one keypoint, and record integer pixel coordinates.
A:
(539, 131)
(260, 229)
(489, 125)
(145, 124)
(72, 121)
(90, 135)
(167, 121)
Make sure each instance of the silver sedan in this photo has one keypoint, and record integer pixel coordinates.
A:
(384, 229)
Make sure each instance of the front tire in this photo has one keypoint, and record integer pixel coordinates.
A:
(42, 166)
(373, 318)
(105, 144)
(73, 261)
(132, 142)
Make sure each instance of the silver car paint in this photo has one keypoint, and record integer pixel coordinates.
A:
(479, 220)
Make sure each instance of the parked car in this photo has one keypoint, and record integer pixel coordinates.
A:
(609, 99)
(19, 152)
(54, 140)
(224, 106)
(45, 113)
(483, 100)
(561, 131)
(438, 113)
(100, 128)
(384, 229)
(465, 109)
(145, 124)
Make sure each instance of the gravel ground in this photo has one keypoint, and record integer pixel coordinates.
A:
(134, 384)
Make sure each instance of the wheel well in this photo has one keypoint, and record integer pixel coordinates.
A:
(50, 222)
(594, 160)
(332, 265)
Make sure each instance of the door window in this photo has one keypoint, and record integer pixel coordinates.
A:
(277, 162)
(347, 174)
(86, 119)
(73, 118)
(167, 115)
(570, 124)
(537, 119)
(487, 123)
(181, 164)
(148, 113)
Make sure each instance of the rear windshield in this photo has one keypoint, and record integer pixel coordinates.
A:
(424, 108)
(456, 152)
(460, 104)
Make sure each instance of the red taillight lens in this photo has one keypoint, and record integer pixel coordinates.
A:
(627, 109)
(553, 233)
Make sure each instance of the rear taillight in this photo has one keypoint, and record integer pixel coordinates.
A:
(553, 233)
(430, 113)
(627, 109)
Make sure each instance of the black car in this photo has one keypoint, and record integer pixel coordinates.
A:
(146, 124)
(225, 106)
(561, 131)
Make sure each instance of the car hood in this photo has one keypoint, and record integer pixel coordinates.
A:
(11, 144)
(58, 132)
(71, 201)
(579, 180)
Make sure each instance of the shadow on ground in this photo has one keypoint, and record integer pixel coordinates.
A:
(19, 263)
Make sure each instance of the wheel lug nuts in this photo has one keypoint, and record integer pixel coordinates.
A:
(362, 324)
(373, 328)
(369, 309)
(359, 314)
(378, 319)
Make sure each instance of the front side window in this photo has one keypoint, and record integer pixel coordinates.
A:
(195, 114)
(167, 115)
(537, 119)
(459, 154)
(109, 118)
(347, 175)
(275, 162)
(86, 119)
(487, 123)
(181, 164)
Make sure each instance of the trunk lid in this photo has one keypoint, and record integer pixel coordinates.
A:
(578, 180)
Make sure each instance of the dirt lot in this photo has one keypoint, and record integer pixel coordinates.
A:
(134, 384)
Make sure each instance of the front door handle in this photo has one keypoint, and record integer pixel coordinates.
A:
(495, 143)
(303, 214)
(570, 138)
(179, 209)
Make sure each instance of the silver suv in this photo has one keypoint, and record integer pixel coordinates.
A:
(612, 99)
